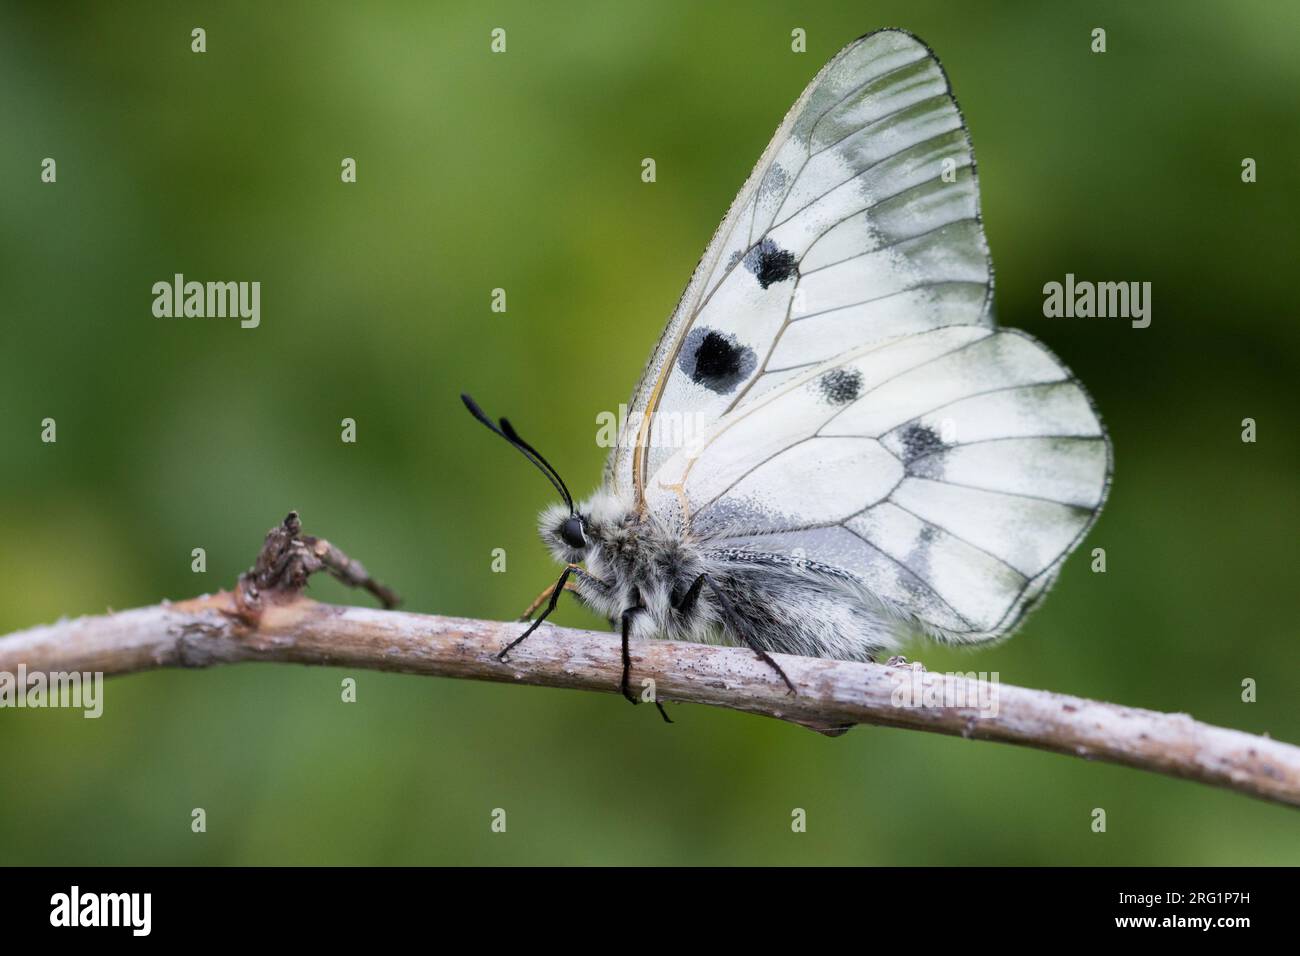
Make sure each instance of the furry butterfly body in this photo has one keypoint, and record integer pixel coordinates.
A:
(683, 587)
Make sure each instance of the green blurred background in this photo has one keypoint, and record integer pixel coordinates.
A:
(522, 171)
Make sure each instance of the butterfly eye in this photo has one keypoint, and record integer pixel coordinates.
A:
(573, 533)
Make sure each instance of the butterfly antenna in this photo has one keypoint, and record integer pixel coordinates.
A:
(507, 431)
(515, 437)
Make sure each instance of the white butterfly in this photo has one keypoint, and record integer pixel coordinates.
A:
(834, 447)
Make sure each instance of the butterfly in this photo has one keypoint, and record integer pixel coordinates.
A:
(834, 447)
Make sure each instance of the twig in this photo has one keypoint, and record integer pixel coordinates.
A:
(278, 624)
(288, 557)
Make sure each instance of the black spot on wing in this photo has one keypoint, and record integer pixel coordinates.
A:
(769, 263)
(775, 182)
(716, 360)
(919, 440)
(840, 386)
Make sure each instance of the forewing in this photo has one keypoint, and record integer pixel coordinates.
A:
(950, 472)
(859, 223)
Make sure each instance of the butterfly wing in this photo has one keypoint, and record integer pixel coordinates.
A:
(859, 223)
(949, 472)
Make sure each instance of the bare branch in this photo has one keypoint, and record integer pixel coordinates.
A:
(267, 619)
(832, 694)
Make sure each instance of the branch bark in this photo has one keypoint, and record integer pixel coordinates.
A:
(277, 624)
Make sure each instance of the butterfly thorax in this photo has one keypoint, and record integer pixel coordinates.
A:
(631, 559)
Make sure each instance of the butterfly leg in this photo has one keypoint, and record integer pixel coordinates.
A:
(625, 685)
(556, 591)
(592, 582)
(732, 617)
(546, 594)
(628, 615)
(686, 604)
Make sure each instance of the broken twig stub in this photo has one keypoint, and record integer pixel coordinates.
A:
(287, 559)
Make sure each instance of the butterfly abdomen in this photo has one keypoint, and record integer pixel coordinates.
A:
(804, 609)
